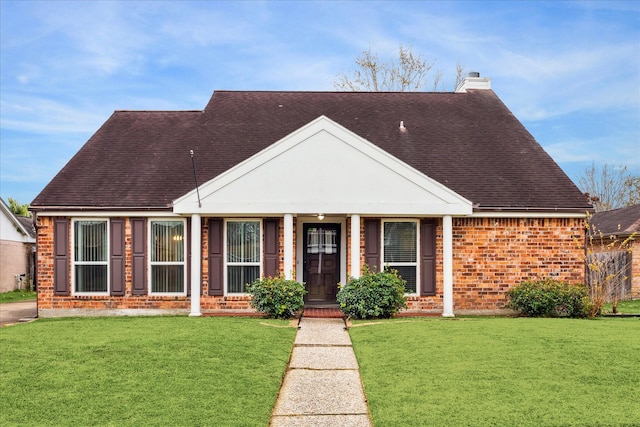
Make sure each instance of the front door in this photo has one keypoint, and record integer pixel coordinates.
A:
(321, 262)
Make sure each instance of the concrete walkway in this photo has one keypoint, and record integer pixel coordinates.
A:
(15, 312)
(322, 385)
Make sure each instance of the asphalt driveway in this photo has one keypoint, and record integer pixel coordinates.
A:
(13, 312)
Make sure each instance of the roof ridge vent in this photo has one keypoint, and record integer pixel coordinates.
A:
(473, 81)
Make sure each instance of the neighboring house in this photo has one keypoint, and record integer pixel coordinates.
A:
(615, 242)
(448, 188)
(17, 250)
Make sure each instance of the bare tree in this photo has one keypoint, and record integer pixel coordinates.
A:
(406, 74)
(609, 261)
(610, 187)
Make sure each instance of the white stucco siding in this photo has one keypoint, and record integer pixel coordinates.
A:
(10, 231)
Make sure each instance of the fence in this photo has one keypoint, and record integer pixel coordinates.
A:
(612, 269)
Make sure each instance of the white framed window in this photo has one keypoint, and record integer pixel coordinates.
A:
(167, 258)
(243, 254)
(400, 250)
(90, 256)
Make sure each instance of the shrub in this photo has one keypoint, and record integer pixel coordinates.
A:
(373, 295)
(549, 298)
(277, 297)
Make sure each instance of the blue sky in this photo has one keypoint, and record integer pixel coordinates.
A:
(570, 71)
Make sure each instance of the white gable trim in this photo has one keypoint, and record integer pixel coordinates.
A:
(12, 229)
(323, 167)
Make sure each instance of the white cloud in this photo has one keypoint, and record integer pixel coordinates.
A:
(31, 114)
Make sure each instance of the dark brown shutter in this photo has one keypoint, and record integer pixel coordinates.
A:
(139, 256)
(372, 244)
(61, 256)
(271, 232)
(216, 260)
(427, 257)
(117, 256)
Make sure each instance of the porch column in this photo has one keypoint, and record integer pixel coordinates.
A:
(288, 246)
(447, 265)
(355, 246)
(196, 259)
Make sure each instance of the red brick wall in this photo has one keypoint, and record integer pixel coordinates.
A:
(490, 255)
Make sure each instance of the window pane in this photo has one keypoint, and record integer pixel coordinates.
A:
(400, 242)
(238, 276)
(243, 241)
(91, 278)
(90, 241)
(408, 273)
(320, 240)
(167, 278)
(167, 241)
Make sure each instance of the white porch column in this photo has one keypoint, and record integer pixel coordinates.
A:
(288, 246)
(447, 265)
(355, 246)
(196, 260)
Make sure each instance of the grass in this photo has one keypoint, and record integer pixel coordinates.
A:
(625, 307)
(17, 295)
(501, 371)
(138, 371)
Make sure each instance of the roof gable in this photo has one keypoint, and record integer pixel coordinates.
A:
(15, 228)
(323, 168)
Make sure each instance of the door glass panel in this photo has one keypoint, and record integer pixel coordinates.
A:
(323, 241)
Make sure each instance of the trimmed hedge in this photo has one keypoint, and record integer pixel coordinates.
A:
(277, 297)
(373, 295)
(549, 298)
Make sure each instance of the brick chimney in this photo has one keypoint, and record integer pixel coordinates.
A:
(473, 81)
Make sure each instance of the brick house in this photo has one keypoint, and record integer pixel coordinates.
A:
(615, 241)
(448, 188)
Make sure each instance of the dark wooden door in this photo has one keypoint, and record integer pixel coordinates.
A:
(321, 262)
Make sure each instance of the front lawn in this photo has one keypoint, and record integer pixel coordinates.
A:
(17, 295)
(142, 371)
(501, 371)
(625, 307)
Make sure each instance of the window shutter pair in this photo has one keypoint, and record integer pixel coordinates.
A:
(62, 262)
(373, 244)
(216, 252)
(139, 256)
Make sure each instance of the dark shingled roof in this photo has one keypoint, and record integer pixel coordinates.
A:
(27, 223)
(469, 142)
(617, 222)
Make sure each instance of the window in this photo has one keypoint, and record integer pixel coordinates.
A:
(167, 261)
(90, 256)
(400, 251)
(243, 254)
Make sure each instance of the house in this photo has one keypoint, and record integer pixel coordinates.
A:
(448, 188)
(614, 238)
(17, 250)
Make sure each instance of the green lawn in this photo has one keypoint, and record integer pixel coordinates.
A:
(626, 307)
(137, 371)
(17, 295)
(501, 371)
